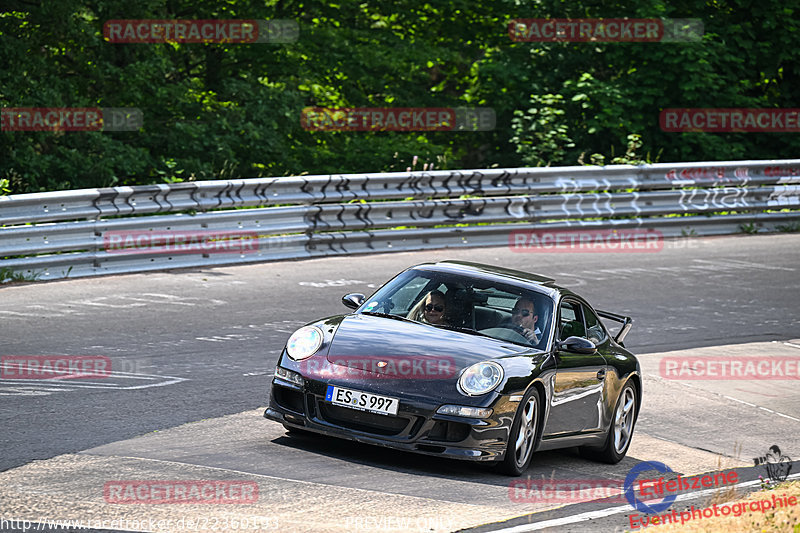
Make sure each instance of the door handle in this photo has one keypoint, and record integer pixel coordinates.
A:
(601, 374)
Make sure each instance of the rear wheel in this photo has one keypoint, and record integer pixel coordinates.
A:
(621, 431)
(522, 438)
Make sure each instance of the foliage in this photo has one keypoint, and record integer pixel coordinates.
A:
(8, 275)
(748, 227)
(218, 111)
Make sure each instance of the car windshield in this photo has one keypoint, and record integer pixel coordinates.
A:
(476, 306)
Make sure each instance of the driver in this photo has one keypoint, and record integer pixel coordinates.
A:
(523, 320)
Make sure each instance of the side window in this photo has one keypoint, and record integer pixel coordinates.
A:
(571, 321)
(594, 329)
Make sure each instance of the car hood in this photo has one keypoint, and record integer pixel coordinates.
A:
(395, 356)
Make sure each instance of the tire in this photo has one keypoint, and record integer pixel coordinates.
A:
(621, 431)
(522, 438)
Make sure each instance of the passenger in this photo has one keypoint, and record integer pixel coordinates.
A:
(430, 310)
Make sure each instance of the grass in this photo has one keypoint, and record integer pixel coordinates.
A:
(749, 228)
(7, 276)
(789, 228)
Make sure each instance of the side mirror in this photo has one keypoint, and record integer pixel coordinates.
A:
(353, 300)
(577, 345)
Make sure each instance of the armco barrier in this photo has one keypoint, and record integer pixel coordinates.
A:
(64, 234)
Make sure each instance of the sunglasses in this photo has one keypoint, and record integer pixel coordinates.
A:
(437, 308)
(523, 312)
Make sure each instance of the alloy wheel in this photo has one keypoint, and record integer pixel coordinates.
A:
(623, 420)
(527, 432)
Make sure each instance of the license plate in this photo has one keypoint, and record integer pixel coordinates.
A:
(363, 401)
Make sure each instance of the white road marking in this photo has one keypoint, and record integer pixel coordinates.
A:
(182, 300)
(97, 303)
(697, 265)
(228, 337)
(22, 391)
(331, 283)
(749, 264)
(659, 378)
(116, 381)
(17, 314)
(68, 311)
(121, 301)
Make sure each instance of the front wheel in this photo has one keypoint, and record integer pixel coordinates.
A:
(621, 431)
(522, 438)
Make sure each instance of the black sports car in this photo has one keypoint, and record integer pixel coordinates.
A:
(466, 361)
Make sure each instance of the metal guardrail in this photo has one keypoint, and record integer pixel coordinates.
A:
(65, 234)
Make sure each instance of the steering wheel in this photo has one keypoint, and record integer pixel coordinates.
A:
(519, 330)
(512, 334)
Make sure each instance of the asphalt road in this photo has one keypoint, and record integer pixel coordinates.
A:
(186, 346)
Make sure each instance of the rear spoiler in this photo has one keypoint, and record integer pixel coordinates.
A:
(625, 320)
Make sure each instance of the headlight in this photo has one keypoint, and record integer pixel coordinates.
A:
(480, 378)
(304, 342)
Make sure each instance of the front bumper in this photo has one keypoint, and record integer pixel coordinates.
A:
(416, 428)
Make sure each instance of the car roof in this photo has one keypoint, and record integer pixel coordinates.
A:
(493, 272)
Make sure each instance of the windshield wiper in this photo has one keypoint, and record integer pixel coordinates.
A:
(443, 326)
(463, 330)
(387, 315)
